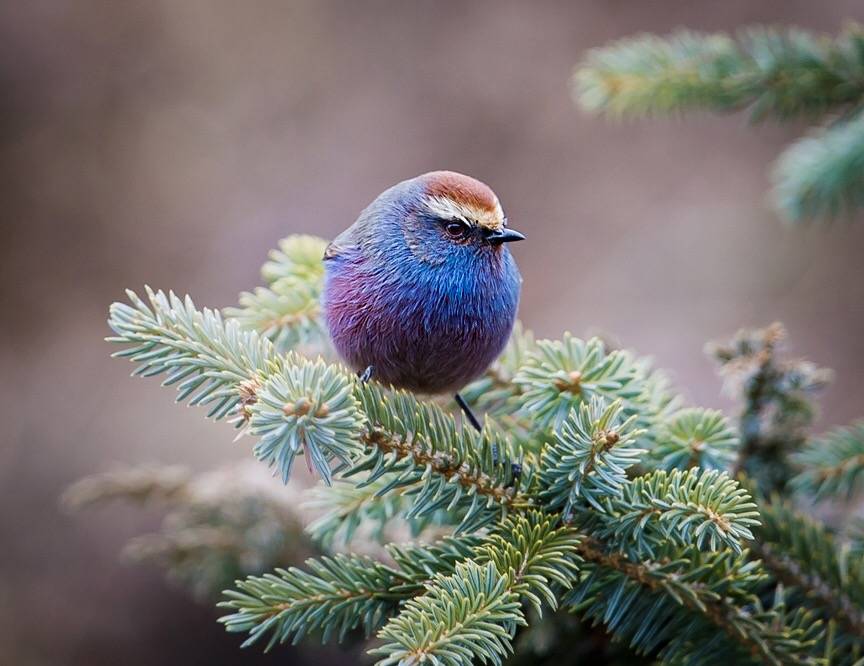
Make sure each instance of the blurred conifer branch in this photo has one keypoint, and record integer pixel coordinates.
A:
(833, 465)
(774, 73)
(219, 525)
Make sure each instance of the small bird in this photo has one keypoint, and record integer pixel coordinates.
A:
(421, 291)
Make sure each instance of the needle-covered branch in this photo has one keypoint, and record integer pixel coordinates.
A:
(822, 175)
(832, 466)
(589, 487)
(447, 467)
(287, 311)
(296, 406)
(775, 74)
(705, 509)
(589, 458)
(690, 607)
(468, 616)
(780, 73)
(558, 376)
(335, 595)
(696, 437)
(211, 361)
(802, 554)
(537, 553)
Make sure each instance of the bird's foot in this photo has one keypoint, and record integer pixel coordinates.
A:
(516, 474)
(366, 375)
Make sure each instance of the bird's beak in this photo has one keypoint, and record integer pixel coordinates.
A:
(504, 235)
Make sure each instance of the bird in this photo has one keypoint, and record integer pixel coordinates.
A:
(421, 292)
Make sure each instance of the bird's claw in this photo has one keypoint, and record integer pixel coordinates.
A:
(366, 375)
(515, 468)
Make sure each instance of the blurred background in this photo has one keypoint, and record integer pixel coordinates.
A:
(173, 143)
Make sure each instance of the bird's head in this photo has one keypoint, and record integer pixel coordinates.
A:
(446, 214)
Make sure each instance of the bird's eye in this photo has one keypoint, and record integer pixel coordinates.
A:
(456, 229)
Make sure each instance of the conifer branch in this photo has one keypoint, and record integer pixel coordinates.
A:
(287, 310)
(822, 175)
(698, 508)
(558, 376)
(780, 73)
(467, 616)
(309, 407)
(775, 73)
(337, 594)
(832, 465)
(448, 466)
(590, 456)
(800, 552)
(688, 598)
(696, 437)
(537, 554)
(209, 360)
(561, 375)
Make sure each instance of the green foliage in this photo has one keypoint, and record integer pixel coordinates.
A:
(207, 358)
(822, 175)
(832, 465)
(537, 555)
(337, 594)
(696, 437)
(590, 457)
(802, 554)
(589, 489)
(287, 310)
(780, 73)
(775, 74)
(690, 608)
(558, 376)
(777, 406)
(702, 508)
(306, 406)
(219, 524)
(561, 375)
(444, 466)
(467, 616)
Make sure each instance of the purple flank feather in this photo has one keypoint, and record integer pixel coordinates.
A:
(429, 313)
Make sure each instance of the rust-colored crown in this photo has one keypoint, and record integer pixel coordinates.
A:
(475, 198)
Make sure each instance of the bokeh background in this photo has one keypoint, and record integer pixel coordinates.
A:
(174, 142)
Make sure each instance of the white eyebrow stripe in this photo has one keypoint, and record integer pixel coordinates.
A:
(447, 209)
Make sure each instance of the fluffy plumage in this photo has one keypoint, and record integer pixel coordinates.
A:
(422, 285)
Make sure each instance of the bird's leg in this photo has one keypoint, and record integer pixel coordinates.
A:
(515, 468)
(366, 375)
(468, 413)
